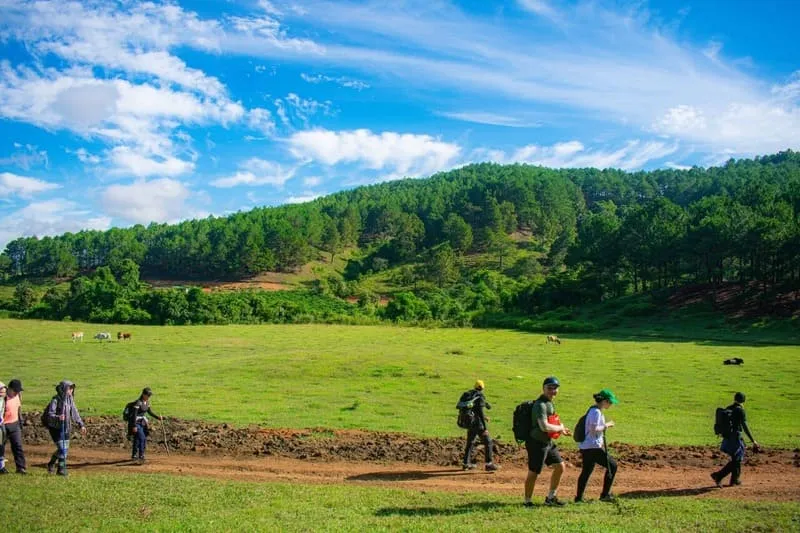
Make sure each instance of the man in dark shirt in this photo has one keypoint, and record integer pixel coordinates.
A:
(479, 429)
(540, 446)
(733, 444)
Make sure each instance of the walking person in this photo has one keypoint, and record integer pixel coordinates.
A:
(139, 425)
(12, 420)
(479, 428)
(3, 392)
(61, 412)
(733, 444)
(594, 448)
(540, 446)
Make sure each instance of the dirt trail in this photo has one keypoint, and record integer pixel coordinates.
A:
(402, 461)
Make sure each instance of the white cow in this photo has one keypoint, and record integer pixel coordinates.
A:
(105, 336)
(77, 336)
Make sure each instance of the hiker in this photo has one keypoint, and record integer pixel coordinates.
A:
(479, 428)
(3, 392)
(540, 446)
(60, 413)
(138, 424)
(594, 450)
(12, 420)
(733, 444)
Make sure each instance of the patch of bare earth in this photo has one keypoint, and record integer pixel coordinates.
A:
(398, 460)
(740, 300)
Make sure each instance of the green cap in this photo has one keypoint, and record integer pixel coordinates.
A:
(606, 394)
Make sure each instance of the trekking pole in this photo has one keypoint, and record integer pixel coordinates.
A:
(164, 430)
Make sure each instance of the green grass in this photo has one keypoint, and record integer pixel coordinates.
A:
(119, 502)
(404, 379)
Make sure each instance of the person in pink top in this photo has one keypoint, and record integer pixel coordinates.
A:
(12, 420)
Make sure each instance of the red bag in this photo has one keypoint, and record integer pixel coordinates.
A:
(555, 420)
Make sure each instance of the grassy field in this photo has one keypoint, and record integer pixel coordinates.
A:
(176, 503)
(404, 379)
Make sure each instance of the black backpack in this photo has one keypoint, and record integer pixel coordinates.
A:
(45, 418)
(723, 422)
(579, 434)
(129, 412)
(522, 421)
(465, 406)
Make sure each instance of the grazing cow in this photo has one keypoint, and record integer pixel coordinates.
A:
(553, 339)
(123, 336)
(733, 361)
(77, 336)
(104, 336)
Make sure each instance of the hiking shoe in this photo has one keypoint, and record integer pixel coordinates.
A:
(491, 467)
(608, 498)
(734, 483)
(717, 480)
(580, 500)
(527, 504)
(62, 472)
(554, 502)
(3, 471)
(51, 468)
(469, 466)
(22, 472)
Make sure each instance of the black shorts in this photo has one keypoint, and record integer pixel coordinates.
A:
(541, 454)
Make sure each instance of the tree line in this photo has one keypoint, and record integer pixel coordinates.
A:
(558, 236)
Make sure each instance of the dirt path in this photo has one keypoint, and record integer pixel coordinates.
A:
(767, 482)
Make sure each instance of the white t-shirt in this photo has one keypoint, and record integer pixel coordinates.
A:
(595, 425)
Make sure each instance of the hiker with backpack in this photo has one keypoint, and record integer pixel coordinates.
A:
(3, 391)
(474, 420)
(590, 432)
(135, 414)
(539, 442)
(729, 424)
(58, 417)
(12, 422)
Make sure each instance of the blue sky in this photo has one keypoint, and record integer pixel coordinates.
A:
(118, 113)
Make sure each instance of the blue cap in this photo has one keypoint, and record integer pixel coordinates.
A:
(551, 380)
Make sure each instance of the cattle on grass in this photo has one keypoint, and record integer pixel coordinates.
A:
(103, 336)
(77, 336)
(123, 336)
(553, 339)
(733, 361)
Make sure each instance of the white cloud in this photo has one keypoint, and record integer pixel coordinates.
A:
(255, 172)
(261, 120)
(395, 153)
(294, 109)
(342, 81)
(307, 196)
(14, 185)
(542, 8)
(129, 162)
(312, 181)
(620, 67)
(492, 119)
(26, 156)
(573, 154)
(677, 166)
(84, 156)
(159, 200)
(51, 217)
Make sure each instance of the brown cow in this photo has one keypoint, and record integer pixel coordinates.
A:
(123, 336)
(553, 339)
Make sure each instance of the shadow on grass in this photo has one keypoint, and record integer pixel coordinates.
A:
(442, 511)
(661, 493)
(411, 475)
